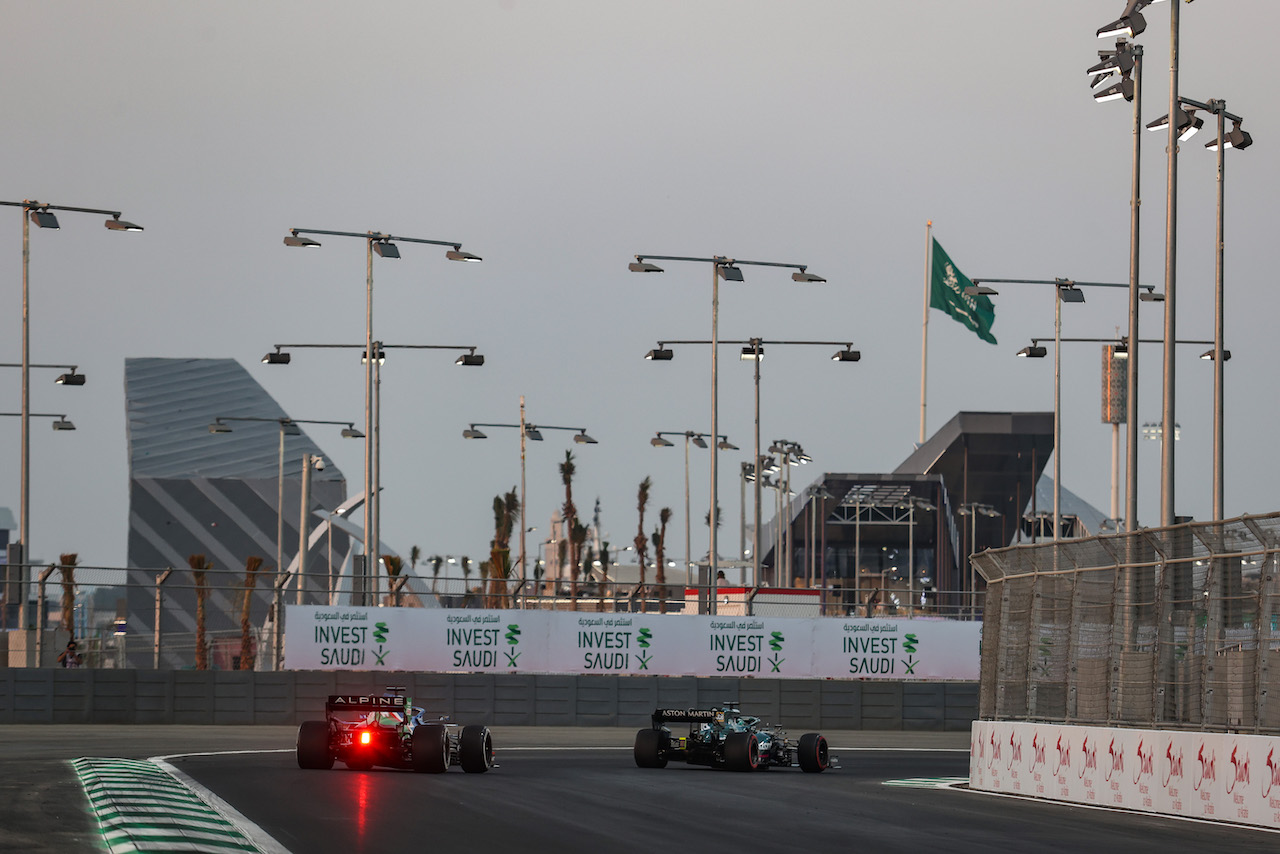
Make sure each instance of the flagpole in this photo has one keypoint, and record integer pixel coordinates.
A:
(924, 334)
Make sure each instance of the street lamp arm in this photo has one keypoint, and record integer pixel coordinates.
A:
(377, 345)
(375, 235)
(1214, 105)
(34, 205)
(1049, 338)
(721, 260)
(1062, 283)
(762, 341)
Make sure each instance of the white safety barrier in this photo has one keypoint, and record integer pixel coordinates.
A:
(1223, 776)
(575, 642)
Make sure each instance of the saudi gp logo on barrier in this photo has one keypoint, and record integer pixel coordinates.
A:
(513, 639)
(380, 632)
(775, 644)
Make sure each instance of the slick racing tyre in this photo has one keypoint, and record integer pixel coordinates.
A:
(430, 749)
(475, 749)
(648, 749)
(813, 754)
(313, 745)
(741, 751)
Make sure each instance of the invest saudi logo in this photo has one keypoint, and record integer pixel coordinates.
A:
(380, 632)
(775, 643)
(909, 644)
(643, 640)
(513, 639)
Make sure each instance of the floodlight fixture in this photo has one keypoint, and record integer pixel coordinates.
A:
(978, 289)
(1122, 89)
(61, 423)
(641, 266)
(379, 355)
(277, 358)
(697, 440)
(350, 432)
(1208, 355)
(729, 273)
(802, 275)
(1120, 350)
(386, 249)
(751, 352)
(295, 239)
(1234, 138)
(581, 438)
(472, 359)
(219, 427)
(1114, 61)
(659, 354)
(456, 254)
(1035, 351)
(290, 428)
(726, 445)
(1187, 123)
(472, 433)
(44, 218)
(1126, 26)
(532, 433)
(847, 355)
(1070, 293)
(118, 224)
(659, 442)
(70, 378)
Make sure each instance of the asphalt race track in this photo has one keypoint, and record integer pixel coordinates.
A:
(570, 791)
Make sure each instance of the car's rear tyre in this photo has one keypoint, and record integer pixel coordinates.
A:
(430, 749)
(741, 751)
(475, 749)
(313, 745)
(813, 753)
(648, 751)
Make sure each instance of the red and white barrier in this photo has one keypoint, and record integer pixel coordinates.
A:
(1222, 776)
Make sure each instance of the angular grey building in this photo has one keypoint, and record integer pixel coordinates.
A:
(196, 492)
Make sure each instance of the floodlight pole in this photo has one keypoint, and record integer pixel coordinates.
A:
(1168, 418)
(30, 207)
(719, 266)
(371, 462)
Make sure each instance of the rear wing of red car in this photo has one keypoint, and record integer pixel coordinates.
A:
(364, 703)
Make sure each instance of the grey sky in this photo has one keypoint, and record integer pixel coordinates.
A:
(558, 139)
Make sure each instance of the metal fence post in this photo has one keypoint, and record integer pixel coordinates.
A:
(40, 618)
(157, 635)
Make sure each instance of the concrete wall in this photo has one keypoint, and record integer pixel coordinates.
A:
(246, 697)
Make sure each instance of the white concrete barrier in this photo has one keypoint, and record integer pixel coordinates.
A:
(1222, 776)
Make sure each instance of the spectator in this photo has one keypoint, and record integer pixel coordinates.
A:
(69, 657)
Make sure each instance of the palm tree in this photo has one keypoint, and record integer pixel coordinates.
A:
(641, 541)
(199, 566)
(251, 567)
(577, 539)
(395, 565)
(506, 510)
(436, 560)
(660, 554)
(67, 567)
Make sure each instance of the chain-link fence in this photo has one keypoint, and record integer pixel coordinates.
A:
(1171, 627)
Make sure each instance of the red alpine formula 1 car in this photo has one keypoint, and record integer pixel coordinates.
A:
(389, 731)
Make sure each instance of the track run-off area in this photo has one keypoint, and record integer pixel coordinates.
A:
(569, 790)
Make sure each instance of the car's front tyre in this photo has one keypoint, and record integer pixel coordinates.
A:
(813, 753)
(475, 749)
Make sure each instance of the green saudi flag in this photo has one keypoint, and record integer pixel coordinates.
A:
(946, 292)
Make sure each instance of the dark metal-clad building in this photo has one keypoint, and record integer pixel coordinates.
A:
(964, 490)
(192, 491)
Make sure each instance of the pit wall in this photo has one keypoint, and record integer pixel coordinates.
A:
(49, 695)
(1219, 776)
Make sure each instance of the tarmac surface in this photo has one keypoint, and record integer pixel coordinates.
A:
(43, 806)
